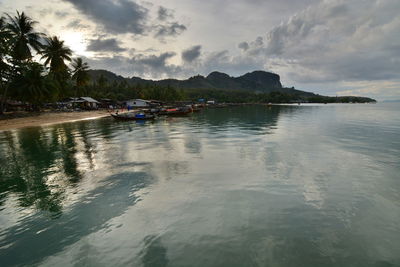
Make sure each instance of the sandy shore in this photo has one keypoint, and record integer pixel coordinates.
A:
(50, 118)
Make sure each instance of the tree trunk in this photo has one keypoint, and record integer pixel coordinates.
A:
(3, 100)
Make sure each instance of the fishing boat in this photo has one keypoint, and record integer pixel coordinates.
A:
(133, 116)
(196, 108)
(179, 111)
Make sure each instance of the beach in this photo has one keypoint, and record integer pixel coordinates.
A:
(46, 118)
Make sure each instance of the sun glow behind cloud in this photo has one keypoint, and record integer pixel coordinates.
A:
(76, 41)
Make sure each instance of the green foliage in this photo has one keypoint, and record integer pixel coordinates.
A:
(167, 94)
(5, 49)
(55, 53)
(102, 82)
(273, 97)
(34, 86)
(24, 37)
(80, 74)
(240, 96)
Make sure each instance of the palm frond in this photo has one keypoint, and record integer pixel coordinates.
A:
(21, 28)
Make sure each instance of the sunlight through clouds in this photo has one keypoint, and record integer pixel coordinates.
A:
(76, 41)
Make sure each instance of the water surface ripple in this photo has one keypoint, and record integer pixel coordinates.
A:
(309, 185)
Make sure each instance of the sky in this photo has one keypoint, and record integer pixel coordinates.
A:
(330, 47)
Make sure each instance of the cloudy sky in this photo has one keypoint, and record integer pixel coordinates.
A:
(332, 47)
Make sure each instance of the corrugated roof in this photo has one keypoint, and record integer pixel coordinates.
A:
(89, 99)
(139, 100)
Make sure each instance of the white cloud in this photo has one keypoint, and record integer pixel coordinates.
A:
(337, 40)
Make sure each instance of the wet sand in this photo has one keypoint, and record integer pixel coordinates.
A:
(49, 118)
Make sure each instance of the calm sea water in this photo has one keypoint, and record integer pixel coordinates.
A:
(242, 186)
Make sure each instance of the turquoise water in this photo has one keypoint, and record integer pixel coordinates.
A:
(315, 185)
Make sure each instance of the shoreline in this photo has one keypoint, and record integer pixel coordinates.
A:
(49, 118)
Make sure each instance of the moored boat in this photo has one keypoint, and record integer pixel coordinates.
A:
(179, 111)
(197, 108)
(133, 116)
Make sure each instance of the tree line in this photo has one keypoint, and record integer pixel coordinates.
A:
(33, 65)
(34, 69)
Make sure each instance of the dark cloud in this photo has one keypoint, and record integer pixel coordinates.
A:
(169, 29)
(117, 16)
(77, 24)
(153, 61)
(142, 65)
(244, 46)
(165, 13)
(128, 16)
(192, 53)
(105, 45)
(259, 41)
(232, 64)
(253, 48)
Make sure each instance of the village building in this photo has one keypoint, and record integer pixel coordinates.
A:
(83, 102)
(137, 103)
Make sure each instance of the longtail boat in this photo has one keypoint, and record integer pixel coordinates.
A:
(179, 111)
(133, 116)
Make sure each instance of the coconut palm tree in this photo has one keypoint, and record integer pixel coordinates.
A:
(4, 65)
(80, 72)
(24, 37)
(4, 37)
(55, 53)
(33, 85)
(4, 49)
(19, 38)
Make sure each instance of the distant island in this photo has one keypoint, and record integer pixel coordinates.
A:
(256, 86)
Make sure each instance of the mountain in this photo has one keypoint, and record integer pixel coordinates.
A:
(110, 76)
(220, 85)
(257, 81)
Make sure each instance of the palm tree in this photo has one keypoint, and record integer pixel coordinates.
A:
(4, 65)
(18, 38)
(24, 37)
(55, 52)
(33, 85)
(4, 37)
(4, 49)
(80, 72)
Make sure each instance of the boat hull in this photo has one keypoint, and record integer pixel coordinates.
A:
(133, 118)
(176, 112)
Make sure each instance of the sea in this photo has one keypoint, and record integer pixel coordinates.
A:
(285, 185)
